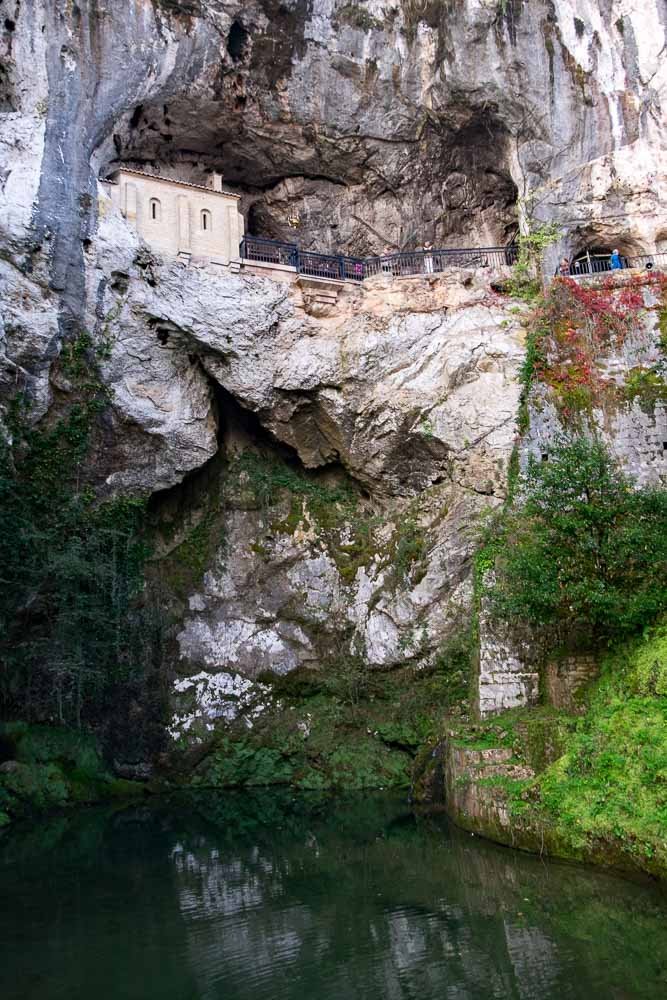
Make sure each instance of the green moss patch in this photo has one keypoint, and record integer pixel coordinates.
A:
(354, 535)
(356, 15)
(646, 385)
(47, 767)
(606, 795)
(341, 727)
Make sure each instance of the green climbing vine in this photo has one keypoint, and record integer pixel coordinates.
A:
(73, 621)
(526, 281)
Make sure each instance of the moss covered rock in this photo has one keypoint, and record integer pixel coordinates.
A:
(49, 767)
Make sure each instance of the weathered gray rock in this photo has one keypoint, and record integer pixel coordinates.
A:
(405, 383)
(29, 337)
(344, 127)
(385, 124)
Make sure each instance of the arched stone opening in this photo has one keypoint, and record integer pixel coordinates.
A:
(596, 259)
(599, 239)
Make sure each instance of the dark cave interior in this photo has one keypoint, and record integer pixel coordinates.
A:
(452, 187)
(446, 178)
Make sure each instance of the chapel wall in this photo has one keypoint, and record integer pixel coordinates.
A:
(176, 218)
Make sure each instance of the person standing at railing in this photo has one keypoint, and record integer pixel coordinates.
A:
(615, 262)
(564, 267)
(386, 264)
(428, 258)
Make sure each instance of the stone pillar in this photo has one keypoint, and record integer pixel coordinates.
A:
(231, 232)
(129, 203)
(183, 210)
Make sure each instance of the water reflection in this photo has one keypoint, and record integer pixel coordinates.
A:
(228, 897)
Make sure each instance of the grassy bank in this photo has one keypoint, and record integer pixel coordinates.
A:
(599, 792)
(608, 791)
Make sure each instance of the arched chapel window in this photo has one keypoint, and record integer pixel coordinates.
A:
(154, 209)
(206, 221)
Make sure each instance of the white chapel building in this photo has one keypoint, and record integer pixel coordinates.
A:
(177, 218)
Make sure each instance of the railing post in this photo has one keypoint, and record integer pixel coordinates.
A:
(297, 260)
(341, 268)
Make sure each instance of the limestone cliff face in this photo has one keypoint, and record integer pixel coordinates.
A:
(373, 122)
(344, 127)
(406, 392)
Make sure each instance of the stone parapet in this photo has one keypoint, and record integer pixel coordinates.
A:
(566, 678)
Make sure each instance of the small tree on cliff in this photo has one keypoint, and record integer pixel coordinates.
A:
(584, 552)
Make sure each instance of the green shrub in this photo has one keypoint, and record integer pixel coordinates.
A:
(410, 548)
(299, 684)
(266, 479)
(583, 550)
(52, 767)
(526, 280)
(358, 17)
(39, 787)
(44, 743)
(348, 678)
(649, 666)
(647, 385)
(400, 734)
(238, 762)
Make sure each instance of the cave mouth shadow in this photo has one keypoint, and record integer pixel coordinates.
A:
(239, 430)
(453, 187)
(237, 41)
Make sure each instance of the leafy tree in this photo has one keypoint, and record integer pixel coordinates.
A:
(584, 551)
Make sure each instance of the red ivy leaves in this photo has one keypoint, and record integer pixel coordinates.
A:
(582, 321)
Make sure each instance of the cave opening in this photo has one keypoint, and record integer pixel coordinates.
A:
(592, 260)
(254, 222)
(237, 41)
(454, 188)
(239, 431)
(136, 115)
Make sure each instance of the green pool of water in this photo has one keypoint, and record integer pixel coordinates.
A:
(273, 897)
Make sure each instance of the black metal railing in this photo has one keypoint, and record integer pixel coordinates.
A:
(337, 267)
(603, 264)
(591, 265)
(322, 265)
(649, 261)
(435, 261)
(256, 248)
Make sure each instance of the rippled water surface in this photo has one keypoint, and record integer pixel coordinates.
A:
(271, 897)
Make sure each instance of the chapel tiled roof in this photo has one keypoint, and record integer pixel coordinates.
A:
(171, 180)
